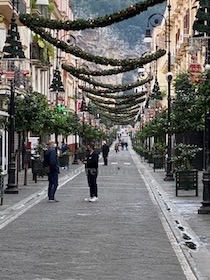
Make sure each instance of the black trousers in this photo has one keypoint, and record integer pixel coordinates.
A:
(105, 160)
(92, 183)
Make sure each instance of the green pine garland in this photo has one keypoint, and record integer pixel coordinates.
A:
(115, 116)
(107, 94)
(112, 88)
(129, 100)
(123, 109)
(130, 66)
(121, 97)
(85, 55)
(81, 24)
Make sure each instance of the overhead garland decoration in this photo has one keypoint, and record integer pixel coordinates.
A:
(107, 94)
(112, 88)
(118, 117)
(82, 54)
(122, 97)
(123, 109)
(81, 24)
(131, 66)
(118, 102)
(127, 101)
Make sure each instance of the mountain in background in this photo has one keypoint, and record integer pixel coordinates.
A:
(119, 40)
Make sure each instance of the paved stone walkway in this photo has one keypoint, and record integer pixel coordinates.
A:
(123, 236)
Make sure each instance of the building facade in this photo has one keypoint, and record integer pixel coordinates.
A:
(37, 69)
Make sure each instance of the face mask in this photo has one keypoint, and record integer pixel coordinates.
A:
(55, 145)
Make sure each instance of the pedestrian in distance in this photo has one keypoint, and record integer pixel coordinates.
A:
(126, 145)
(116, 147)
(105, 152)
(91, 168)
(122, 145)
(52, 169)
(64, 147)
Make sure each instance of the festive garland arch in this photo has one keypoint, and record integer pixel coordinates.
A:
(113, 94)
(81, 24)
(85, 55)
(116, 96)
(131, 66)
(121, 121)
(112, 88)
(118, 117)
(127, 101)
(118, 102)
(123, 109)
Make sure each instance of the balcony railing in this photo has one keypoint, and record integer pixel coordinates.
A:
(38, 57)
(6, 8)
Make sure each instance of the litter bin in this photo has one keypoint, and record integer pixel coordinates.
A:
(37, 168)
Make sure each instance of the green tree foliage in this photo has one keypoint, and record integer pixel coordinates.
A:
(31, 113)
(203, 91)
(185, 114)
(34, 114)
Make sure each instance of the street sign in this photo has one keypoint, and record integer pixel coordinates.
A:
(195, 68)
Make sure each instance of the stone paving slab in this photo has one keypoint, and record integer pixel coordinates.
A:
(121, 237)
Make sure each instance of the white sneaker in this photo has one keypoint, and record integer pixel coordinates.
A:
(87, 199)
(93, 199)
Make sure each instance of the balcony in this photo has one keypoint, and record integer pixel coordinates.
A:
(38, 57)
(182, 43)
(40, 10)
(6, 9)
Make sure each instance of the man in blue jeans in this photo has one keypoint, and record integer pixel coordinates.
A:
(51, 161)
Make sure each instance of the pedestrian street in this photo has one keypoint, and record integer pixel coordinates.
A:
(122, 236)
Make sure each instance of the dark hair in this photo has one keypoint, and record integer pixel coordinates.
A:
(92, 145)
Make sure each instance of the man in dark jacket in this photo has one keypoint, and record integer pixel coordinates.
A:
(91, 167)
(51, 161)
(105, 152)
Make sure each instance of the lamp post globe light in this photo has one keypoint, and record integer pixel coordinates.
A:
(169, 76)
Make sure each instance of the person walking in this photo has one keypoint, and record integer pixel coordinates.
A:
(51, 163)
(91, 168)
(116, 147)
(105, 152)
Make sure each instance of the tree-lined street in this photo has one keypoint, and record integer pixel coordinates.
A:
(127, 234)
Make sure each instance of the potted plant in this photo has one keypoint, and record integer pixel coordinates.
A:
(158, 151)
(186, 174)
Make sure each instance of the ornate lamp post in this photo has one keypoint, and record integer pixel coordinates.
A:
(75, 161)
(148, 39)
(57, 87)
(83, 109)
(202, 25)
(13, 52)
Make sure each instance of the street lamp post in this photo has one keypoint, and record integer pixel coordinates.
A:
(148, 39)
(83, 110)
(12, 184)
(13, 51)
(75, 161)
(205, 207)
